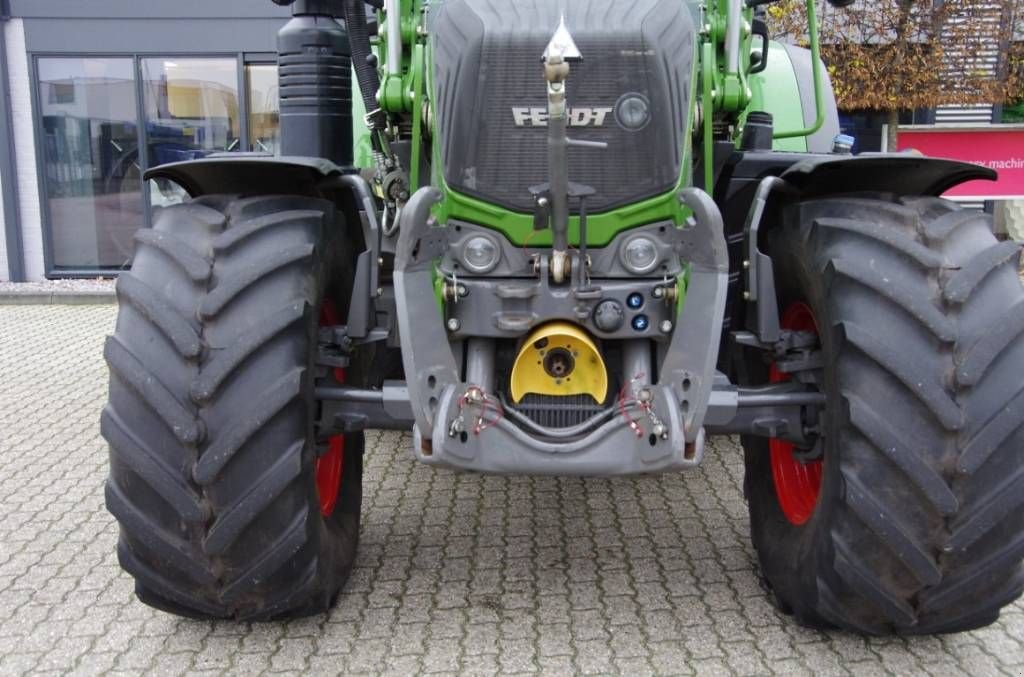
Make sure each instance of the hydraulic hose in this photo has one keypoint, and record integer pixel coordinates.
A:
(363, 61)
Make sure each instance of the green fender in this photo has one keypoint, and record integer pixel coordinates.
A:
(786, 90)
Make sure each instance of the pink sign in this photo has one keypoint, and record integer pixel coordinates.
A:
(999, 147)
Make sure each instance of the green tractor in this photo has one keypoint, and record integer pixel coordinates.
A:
(570, 237)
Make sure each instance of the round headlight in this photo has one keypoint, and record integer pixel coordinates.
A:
(633, 112)
(480, 254)
(640, 255)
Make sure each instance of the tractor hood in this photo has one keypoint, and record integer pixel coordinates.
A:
(631, 91)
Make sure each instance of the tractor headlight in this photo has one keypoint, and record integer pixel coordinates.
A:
(640, 255)
(480, 254)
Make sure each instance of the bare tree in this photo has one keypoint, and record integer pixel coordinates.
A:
(900, 55)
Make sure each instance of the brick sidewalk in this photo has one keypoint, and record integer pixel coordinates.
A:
(457, 573)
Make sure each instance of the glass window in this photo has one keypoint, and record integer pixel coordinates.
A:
(191, 108)
(90, 160)
(264, 107)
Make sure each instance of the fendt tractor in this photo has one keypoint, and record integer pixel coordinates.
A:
(570, 237)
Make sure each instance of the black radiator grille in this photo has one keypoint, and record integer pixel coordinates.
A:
(555, 411)
(487, 63)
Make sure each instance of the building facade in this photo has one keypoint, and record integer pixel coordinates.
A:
(92, 94)
(95, 92)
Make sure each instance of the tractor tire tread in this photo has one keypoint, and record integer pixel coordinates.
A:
(974, 360)
(223, 293)
(231, 238)
(887, 237)
(919, 308)
(230, 523)
(875, 428)
(209, 421)
(132, 372)
(174, 326)
(944, 226)
(224, 447)
(971, 273)
(923, 532)
(222, 365)
(153, 469)
(890, 532)
(908, 369)
(994, 432)
(195, 265)
(174, 551)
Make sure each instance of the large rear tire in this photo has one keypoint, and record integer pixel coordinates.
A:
(211, 417)
(917, 524)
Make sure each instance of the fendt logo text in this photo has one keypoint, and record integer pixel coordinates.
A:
(578, 117)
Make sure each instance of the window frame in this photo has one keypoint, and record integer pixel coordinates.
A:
(255, 60)
(242, 59)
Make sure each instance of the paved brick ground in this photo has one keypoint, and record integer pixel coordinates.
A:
(457, 573)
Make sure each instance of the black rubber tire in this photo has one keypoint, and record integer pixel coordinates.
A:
(210, 420)
(919, 526)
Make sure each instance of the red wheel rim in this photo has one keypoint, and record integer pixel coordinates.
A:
(797, 484)
(328, 474)
(329, 466)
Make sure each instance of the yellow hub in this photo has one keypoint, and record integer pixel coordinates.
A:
(559, 359)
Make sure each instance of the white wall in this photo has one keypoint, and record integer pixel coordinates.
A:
(5, 270)
(24, 149)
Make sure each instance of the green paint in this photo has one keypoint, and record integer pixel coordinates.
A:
(819, 95)
(777, 91)
(730, 89)
(397, 90)
(730, 86)
(708, 106)
(361, 146)
(601, 228)
(438, 289)
(724, 96)
(392, 94)
(682, 284)
(417, 115)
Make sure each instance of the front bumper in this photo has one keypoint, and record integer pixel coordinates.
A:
(679, 397)
(610, 448)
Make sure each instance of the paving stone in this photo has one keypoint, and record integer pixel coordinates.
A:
(457, 573)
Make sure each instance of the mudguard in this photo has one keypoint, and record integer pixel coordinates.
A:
(899, 173)
(816, 176)
(246, 174)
